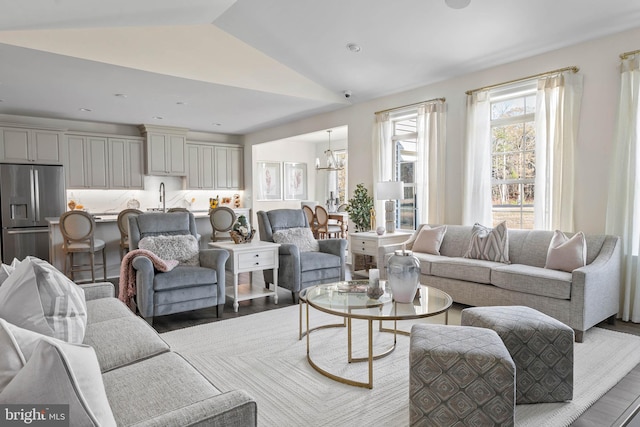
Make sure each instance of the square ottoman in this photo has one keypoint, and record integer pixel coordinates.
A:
(459, 376)
(541, 347)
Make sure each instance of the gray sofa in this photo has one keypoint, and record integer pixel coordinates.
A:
(146, 383)
(580, 299)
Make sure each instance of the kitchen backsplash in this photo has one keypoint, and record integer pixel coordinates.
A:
(113, 201)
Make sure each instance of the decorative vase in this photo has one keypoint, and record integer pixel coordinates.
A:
(403, 273)
(380, 230)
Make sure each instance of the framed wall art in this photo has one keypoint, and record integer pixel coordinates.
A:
(269, 181)
(295, 181)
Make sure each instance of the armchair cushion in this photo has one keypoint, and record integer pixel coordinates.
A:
(183, 248)
(302, 237)
(183, 276)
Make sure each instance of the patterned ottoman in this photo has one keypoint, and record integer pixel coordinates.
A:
(541, 347)
(459, 376)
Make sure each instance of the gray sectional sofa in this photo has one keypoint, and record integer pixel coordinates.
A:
(580, 299)
(146, 383)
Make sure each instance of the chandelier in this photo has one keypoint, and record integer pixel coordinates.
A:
(332, 161)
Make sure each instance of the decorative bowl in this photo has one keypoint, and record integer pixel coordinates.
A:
(239, 238)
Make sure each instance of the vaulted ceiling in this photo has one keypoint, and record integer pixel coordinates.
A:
(235, 66)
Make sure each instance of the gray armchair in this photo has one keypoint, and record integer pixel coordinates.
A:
(298, 270)
(185, 287)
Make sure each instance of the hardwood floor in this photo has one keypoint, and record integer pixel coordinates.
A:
(620, 406)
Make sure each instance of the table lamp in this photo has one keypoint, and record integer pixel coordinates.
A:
(389, 191)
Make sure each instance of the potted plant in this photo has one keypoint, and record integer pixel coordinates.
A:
(360, 208)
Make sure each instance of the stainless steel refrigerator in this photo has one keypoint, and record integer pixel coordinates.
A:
(28, 195)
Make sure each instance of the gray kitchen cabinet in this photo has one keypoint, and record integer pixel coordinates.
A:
(87, 162)
(229, 170)
(200, 166)
(20, 145)
(126, 163)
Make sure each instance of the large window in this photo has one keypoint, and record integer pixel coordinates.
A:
(405, 156)
(513, 157)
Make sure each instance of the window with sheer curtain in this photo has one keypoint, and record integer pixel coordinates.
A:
(623, 207)
(520, 143)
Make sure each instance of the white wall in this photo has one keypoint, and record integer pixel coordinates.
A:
(599, 63)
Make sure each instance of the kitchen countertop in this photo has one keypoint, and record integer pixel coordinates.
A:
(111, 217)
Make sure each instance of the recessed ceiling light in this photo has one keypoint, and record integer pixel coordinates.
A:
(354, 47)
(457, 4)
(121, 95)
(87, 110)
(217, 124)
(181, 103)
(157, 117)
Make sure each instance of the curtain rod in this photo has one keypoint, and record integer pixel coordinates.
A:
(628, 54)
(560, 70)
(412, 105)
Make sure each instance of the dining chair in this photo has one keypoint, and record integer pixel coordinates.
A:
(77, 229)
(311, 217)
(123, 226)
(326, 230)
(222, 219)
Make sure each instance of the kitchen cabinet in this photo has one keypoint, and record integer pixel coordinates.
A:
(200, 166)
(20, 145)
(164, 149)
(229, 170)
(88, 162)
(126, 163)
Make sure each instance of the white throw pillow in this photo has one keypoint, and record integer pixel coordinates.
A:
(38, 297)
(182, 248)
(40, 369)
(491, 244)
(429, 239)
(566, 254)
(302, 237)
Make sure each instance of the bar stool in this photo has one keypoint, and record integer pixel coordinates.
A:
(123, 226)
(77, 228)
(222, 219)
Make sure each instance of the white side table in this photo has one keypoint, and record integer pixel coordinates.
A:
(248, 257)
(368, 242)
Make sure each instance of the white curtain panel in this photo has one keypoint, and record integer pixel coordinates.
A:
(558, 101)
(477, 205)
(382, 159)
(430, 177)
(623, 207)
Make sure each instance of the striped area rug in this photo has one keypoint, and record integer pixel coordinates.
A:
(261, 354)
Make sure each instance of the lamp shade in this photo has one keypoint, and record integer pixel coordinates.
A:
(389, 190)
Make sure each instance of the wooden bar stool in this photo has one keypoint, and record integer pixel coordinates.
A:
(123, 226)
(77, 228)
(222, 219)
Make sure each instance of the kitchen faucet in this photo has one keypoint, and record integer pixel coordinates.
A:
(163, 197)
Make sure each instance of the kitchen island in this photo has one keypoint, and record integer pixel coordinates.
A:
(107, 230)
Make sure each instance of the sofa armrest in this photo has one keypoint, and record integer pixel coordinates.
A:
(234, 408)
(216, 260)
(597, 285)
(98, 290)
(333, 246)
(145, 273)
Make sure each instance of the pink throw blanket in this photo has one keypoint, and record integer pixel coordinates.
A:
(127, 285)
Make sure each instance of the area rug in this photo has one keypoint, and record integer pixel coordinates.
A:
(261, 354)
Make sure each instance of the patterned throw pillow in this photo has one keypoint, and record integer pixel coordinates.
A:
(566, 254)
(38, 297)
(37, 368)
(183, 248)
(302, 237)
(429, 240)
(491, 244)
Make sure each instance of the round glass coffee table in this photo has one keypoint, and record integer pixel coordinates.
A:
(349, 300)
